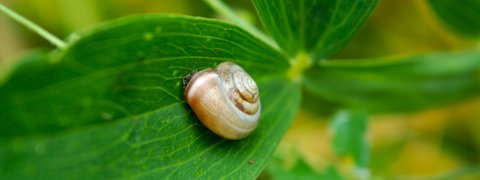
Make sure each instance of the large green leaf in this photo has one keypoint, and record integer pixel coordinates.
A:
(108, 73)
(397, 84)
(112, 106)
(461, 16)
(319, 27)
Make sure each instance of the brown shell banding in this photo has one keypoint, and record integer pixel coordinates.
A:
(225, 100)
(235, 79)
(245, 86)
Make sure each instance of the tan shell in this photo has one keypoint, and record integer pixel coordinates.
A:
(225, 100)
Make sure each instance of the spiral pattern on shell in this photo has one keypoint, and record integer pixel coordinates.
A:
(241, 88)
(225, 99)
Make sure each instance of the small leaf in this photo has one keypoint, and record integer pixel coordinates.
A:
(397, 84)
(301, 170)
(112, 106)
(350, 127)
(461, 16)
(318, 27)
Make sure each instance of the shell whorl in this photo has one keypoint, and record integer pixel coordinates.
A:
(225, 99)
(239, 86)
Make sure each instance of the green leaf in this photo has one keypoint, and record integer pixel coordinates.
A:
(112, 106)
(29, 60)
(126, 67)
(318, 27)
(350, 127)
(461, 16)
(276, 169)
(228, 13)
(397, 84)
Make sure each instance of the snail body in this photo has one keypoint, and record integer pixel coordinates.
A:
(225, 99)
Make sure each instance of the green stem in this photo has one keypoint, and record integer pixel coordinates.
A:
(222, 9)
(34, 27)
(298, 65)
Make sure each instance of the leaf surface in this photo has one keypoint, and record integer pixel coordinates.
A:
(112, 105)
(397, 84)
(277, 169)
(350, 128)
(460, 16)
(318, 27)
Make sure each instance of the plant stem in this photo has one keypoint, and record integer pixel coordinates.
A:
(298, 65)
(34, 27)
(222, 9)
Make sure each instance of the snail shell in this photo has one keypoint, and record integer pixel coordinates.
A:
(225, 99)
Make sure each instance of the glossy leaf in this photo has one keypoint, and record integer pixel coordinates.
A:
(101, 77)
(112, 106)
(318, 27)
(397, 84)
(460, 16)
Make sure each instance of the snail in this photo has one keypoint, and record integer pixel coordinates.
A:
(225, 99)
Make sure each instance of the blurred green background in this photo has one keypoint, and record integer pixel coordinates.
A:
(430, 143)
